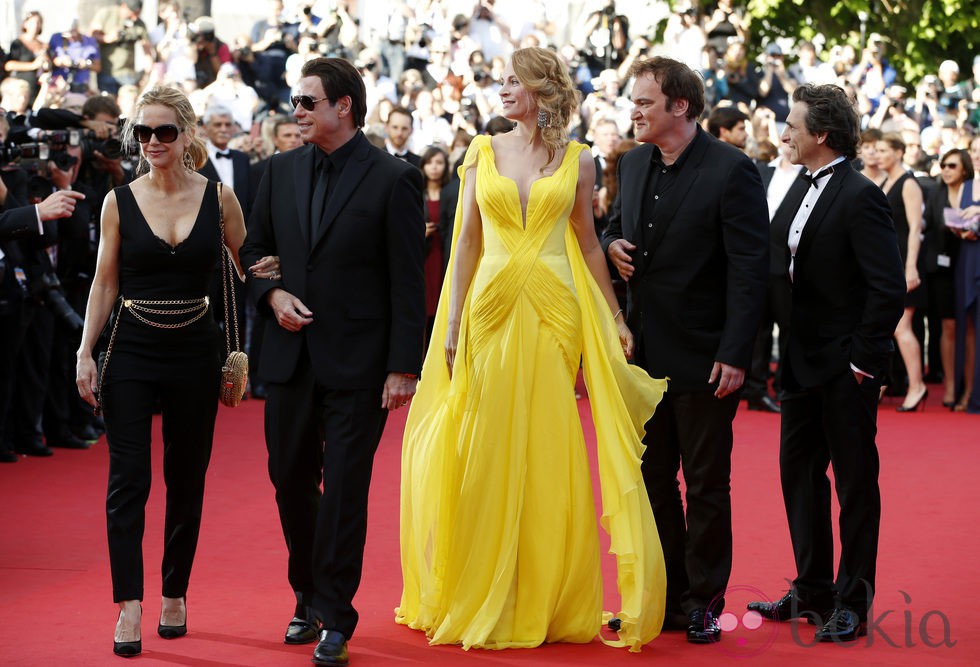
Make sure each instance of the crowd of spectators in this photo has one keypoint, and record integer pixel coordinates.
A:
(436, 65)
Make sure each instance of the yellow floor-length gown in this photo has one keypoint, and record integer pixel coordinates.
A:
(499, 544)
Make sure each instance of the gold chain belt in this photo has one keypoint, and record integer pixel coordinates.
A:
(140, 307)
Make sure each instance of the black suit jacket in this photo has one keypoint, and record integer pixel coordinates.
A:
(698, 291)
(361, 275)
(848, 281)
(20, 221)
(241, 166)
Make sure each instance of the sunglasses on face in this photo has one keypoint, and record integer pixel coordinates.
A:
(166, 134)
(305, 101)
(950, 165)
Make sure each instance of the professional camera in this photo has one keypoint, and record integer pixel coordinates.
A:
(479, 75)
(48, 291)
(110, 147)
(609, 9)
(33, 156)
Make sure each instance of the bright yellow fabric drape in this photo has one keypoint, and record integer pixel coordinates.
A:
(482, 524)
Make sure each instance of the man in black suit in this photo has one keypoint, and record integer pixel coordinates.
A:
(343, 344)
(689, 233)
(398, 129)
(841, 255)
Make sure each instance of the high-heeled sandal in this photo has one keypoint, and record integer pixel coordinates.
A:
(131, 648)
(173, 631)
(921, 401)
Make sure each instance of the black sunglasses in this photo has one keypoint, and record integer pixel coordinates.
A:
(167, 134)
(950, 165)
(305, 101)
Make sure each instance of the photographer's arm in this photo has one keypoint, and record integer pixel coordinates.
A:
(105, 288)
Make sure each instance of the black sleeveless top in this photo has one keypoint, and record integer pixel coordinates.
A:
(899, 216)
(152, 269)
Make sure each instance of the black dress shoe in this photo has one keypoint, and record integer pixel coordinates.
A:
(792, 606)
(674, 621)
(331, 649)
(844, 626)
(33, 447)
(703, 628)
(302, 631)
(764, 404)
(7, 456)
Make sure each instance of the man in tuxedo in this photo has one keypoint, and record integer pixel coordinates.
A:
(689, 233)
(343, 343)
(224, 164)
(398, 129)
(840, 252)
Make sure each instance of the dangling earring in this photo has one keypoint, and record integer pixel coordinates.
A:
(544, 118)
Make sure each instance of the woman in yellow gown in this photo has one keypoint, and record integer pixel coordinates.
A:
(499, 543)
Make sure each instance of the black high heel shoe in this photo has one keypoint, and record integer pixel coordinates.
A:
(949, 404)
(173, 631)
(128, 649)
(915, 406)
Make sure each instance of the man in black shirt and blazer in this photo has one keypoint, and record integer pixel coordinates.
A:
(689, 232)
(841, 255)
(343, 342)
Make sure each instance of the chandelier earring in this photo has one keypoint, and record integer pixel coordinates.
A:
(544, 118)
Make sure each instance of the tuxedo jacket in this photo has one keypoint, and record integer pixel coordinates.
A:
(848, 280)
(360, 274)
(241, 166)
(701, 266)
(19, 221)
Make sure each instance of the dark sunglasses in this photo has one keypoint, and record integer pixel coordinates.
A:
(305, 101)
(167, 134)
(950, 165)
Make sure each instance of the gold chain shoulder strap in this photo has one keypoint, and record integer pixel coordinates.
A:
(226, 280)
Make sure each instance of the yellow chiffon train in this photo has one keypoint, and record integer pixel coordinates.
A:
(499, 543)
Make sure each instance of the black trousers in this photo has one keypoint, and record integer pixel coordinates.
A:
(692, 432)
(188, 411)
(833, 424)
(33, 367)
(317, 434)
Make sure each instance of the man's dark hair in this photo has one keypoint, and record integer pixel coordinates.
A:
(97, 104)
(677, 81)
(724, 117)
(340, 79)
(830, 110)
(403, 111)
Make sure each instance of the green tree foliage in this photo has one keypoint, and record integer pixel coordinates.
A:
(920, 34)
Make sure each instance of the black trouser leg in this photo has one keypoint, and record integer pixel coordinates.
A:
(353, 422)
(128, 413)
(188, 414)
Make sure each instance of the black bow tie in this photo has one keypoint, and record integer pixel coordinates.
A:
(226, 154)
(401, 156)
(812, 180)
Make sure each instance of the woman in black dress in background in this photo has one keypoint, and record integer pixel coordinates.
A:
(159, 248)
(29, 57)
(905, 197)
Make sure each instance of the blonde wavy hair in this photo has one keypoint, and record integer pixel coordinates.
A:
(195, 154)
(546, 77)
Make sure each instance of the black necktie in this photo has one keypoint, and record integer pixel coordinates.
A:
(319, 201)
(226, 154)
(812, 180)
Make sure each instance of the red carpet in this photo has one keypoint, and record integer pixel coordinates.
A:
(56, 608)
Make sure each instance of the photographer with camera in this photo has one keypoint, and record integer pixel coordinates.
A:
(31, 299)
(210, 53)
(873, 75)
(119, 32)
(75, 57)
(273, 41)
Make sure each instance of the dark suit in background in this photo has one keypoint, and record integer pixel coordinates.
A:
(701, 231)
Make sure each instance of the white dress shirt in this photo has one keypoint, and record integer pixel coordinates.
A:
(222, 165)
